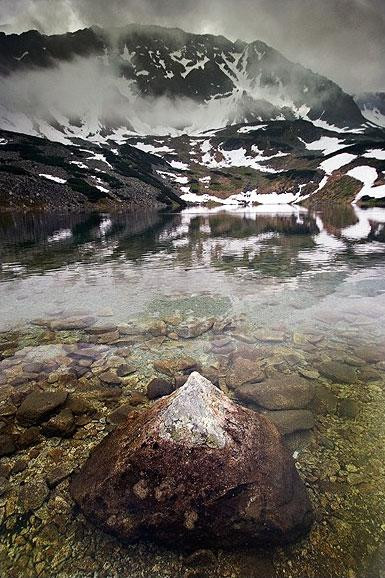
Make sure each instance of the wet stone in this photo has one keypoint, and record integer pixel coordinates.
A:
(192, 440)
(223, 346)
(32, 495)
(21, 380)
(19, 466)
(158, 388)
(38, 405)
(104, 338)
(137, 398)
(7, 408)
(308, 373)
(370, 353)
(61, 424)
(85, 362)
(110, 378)
(34, 367)
(180, 380)
(157, 328)
(71, 323)
(125, 369)
(4, 485)
(172, 366)
(270, 336)
(348, 408)
(289, 421)
(221, 325)
(244, 338)
(100, 329)
(29, 437)
(324, 401)
(7, 445)
(285, 392)
(78, 404)
(80, 371)
(58, 473)
(201, 558)
(369, 374)
(194, 328)
(120, 414)
(338, 372)
(326, 442)
(376, 564)
(242, 372)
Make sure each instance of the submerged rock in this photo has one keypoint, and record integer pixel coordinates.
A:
(244, 371)
(171, 366)
(158, 388)
(338, 372)
(291, 420)
(194, 328)
(7, 445)
(39, 404)
(284, 393)
(194, 468)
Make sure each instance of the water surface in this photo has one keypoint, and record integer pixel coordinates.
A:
(304, 288)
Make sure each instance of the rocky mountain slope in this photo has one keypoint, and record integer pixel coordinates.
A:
(150, 116)
(37, 173)
(210, 81)
(275, 162)
(372, 105)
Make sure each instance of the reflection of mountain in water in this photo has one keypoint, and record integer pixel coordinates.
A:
(43, 242)
(280, 243)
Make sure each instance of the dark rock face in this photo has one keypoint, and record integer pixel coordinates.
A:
(195, 468)
(132, 182)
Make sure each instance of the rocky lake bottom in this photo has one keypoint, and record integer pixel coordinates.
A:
(102, 315)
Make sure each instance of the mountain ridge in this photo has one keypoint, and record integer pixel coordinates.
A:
(214, 79)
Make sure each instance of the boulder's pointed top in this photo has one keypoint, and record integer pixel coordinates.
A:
(195, 414)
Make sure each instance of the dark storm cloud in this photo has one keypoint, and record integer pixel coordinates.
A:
(343, 39)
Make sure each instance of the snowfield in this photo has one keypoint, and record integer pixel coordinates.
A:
(337, 162)
(53, 178)
(368, 176)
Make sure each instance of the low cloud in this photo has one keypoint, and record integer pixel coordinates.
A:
(85, 90)
(343, 39)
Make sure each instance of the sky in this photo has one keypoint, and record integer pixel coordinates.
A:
(342, 39)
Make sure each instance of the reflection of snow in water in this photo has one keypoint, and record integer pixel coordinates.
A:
(105, 226)
(189, 254)
(60, 235)
(365, 217)
(326, 246)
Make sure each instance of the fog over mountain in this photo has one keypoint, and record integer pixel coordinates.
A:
(156, 80)
(342, 39)
(164, 103)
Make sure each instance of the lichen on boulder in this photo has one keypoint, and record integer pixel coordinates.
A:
(195, 468)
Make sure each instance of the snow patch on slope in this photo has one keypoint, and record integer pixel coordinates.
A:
(368, 176)
(336, 162)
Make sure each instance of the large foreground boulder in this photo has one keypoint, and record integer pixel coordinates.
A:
(195, 468)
